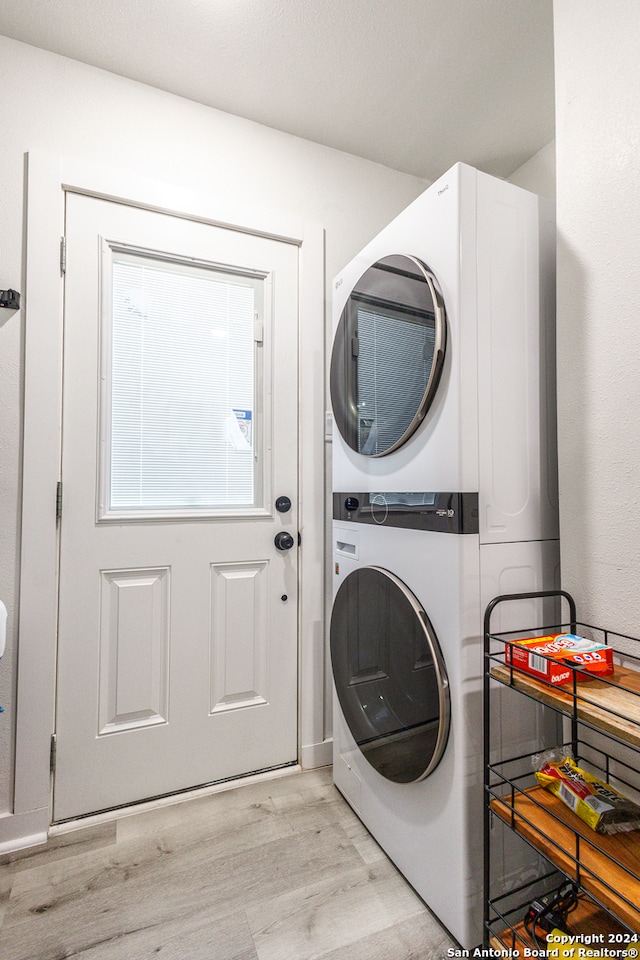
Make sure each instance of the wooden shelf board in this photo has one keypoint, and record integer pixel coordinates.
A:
(587, 918)
(553, 830)
(595, 700)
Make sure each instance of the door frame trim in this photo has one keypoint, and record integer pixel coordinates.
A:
(48, 178)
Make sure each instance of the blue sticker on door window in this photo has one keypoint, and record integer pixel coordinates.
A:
(240, 429)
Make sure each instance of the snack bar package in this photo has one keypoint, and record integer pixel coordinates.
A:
(604, 809)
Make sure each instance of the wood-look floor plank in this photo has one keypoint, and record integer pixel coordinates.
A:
(272, 870)
(6, 883)
(360, 837)
(418, 938)
(107, 900)
(198, 937)
(63, 845)
(332, 912)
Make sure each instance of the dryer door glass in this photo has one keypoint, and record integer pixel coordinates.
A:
(390, 675)
(387, 355)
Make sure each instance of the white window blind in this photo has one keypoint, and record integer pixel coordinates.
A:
(182, 387)
(394, 363)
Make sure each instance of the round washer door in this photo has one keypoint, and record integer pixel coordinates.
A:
(387, 355)
(390, 675)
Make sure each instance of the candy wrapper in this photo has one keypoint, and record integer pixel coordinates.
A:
(602, 807)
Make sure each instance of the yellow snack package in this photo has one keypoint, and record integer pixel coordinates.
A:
(602, 807)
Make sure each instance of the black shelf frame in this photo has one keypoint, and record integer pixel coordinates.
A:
(498, 782)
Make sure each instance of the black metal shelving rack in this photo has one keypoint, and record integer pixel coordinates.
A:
(602, 720)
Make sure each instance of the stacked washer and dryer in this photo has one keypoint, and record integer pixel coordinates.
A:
(444, 496)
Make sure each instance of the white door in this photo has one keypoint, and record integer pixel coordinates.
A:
(177, 651)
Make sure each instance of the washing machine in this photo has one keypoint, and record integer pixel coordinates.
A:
(444, 495)
(407, 663)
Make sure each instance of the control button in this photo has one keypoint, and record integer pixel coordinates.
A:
(351, 504)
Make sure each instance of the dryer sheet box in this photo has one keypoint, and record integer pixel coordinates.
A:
(557, 657)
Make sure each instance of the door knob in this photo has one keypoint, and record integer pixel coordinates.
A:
(283, 540)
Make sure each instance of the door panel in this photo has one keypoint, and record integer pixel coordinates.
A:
(239, 631)
(134, 649)
(177, 660)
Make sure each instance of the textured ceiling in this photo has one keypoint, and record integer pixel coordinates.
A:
(412, 84)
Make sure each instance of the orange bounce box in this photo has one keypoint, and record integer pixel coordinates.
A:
(564, 648)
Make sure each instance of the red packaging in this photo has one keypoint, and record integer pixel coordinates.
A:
(531, 655)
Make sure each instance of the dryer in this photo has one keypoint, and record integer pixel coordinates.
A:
(444, 495)
(442, 369)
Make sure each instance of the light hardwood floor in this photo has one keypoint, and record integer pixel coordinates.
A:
(275, 870)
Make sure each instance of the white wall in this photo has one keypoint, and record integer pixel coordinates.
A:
(538, 174)
(54, 104)
(598, 210)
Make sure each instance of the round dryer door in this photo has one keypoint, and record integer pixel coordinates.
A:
(390, 675)
(387, 355)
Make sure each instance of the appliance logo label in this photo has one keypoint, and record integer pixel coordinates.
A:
(444, 189)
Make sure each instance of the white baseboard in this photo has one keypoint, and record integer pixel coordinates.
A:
(21, 830)
(316, 755)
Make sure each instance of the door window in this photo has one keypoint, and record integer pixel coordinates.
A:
(390, 675)
(388, 355)
(181, 363)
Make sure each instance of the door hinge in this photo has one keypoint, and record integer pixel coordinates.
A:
(63, 255)
(59, 500)
(52, 753)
